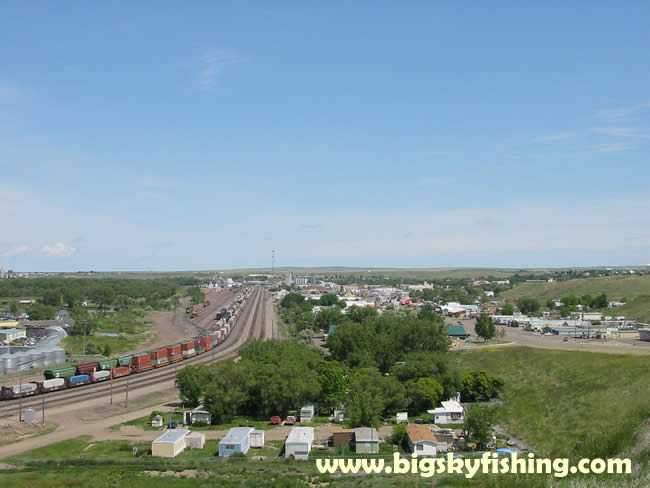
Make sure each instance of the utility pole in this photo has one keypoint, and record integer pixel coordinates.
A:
(272, 261)
(20, 398)
(43, 408)
(111, 387)
(85, 326)
(126, 401)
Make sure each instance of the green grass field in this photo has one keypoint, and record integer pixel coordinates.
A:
(556, 399)
(130, 324)
(615, 287)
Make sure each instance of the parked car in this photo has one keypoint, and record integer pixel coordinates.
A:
(290, 420)
(566, 339)
(172, 425)
(276, 420)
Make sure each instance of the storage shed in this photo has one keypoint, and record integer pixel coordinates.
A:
(195, 440)
(298, 444)
(366, 440)
(157, 421)
(237, 440)
(342, 437)
(257, 438)
(170, 444)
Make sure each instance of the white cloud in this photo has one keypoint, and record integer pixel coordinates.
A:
(20, 249)
(213, 63)
(622, 132)
(622, 113)
(561, 136)
(612, 147)
(58, 250)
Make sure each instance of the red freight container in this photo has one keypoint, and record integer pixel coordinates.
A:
(204, 341)
(121, 371)
(159, 357)
(141, 362)
(87, 368)
(174, 353)
(187, 349)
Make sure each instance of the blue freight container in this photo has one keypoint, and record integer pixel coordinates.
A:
(80, 378)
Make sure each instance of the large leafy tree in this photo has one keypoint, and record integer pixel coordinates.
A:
(485, 327)
(528, 305)
(190, 382)
(423, 394)
(478, 424)
(333, 382)
(478, 386)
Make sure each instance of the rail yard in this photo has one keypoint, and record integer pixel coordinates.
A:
(250, 322)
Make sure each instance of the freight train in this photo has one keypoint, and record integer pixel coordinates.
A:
(83, 374)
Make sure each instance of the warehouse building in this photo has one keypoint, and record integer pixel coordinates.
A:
(170, 444)
(10, 335)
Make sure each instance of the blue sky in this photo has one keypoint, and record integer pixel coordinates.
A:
(155, 135)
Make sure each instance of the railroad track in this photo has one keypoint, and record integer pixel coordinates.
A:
(250, 325)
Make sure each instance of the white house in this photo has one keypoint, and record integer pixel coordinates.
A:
(170, 444)
(421, 440)
(299, 442)
(306, 413)
(451, 412)
(237, 440)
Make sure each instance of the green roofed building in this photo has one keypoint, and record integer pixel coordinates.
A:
(457, 332)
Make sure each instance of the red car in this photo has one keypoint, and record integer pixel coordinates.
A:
(276, 420)
(290, 420)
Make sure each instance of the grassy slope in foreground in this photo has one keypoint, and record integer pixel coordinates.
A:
(555, 399)
(616, 287)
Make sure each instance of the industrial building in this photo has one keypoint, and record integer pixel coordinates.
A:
(10, 335)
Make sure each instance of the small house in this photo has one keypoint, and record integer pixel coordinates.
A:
(195, 440)
(342, 437)
(200, 415)
(157, 421)
(257, 438)
(402, 417)
(237, 440)
(366, 440)
(306, 413)
(170, 444)
(451, 412)
(422, 442)
(298, 444)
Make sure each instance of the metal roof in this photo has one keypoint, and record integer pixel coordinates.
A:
(237, 435)
(366, 434)
(301, 434)
(172, 435)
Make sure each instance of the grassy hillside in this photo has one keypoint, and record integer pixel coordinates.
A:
(638, 309)
(616, 287)
(555, 399)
